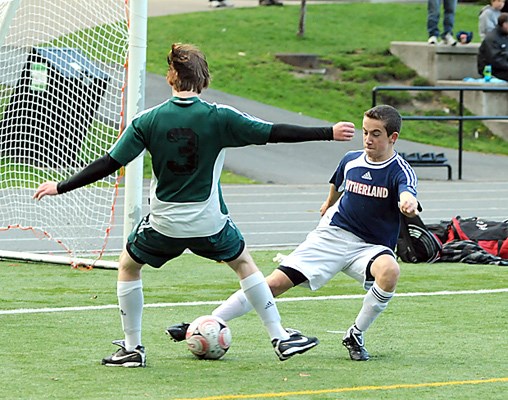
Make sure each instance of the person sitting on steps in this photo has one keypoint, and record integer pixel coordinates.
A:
(494, 49)
(487, 20)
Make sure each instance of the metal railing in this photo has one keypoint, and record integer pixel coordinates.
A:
(461, 117)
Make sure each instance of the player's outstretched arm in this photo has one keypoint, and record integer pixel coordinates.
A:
(343, 131)
(286, 133)
(96, 170)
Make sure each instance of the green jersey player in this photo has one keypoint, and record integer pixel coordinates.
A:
(186, 138)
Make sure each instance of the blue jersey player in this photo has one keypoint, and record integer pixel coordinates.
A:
(357, 232)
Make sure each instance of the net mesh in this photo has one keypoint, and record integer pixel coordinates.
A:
(62, 74)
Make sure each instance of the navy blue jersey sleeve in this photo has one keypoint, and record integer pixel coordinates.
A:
(406, 177)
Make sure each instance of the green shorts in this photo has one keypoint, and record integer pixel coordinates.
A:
(147, 246)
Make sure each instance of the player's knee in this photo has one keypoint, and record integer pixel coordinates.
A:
(128, 269)
(386, 272)
(392, 271)
(278, 282)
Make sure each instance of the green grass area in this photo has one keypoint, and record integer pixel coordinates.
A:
(353, 40)
(89, 42)
(419, 341)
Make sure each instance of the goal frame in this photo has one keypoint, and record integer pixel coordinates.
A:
(136, 71)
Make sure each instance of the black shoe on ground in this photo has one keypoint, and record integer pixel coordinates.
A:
(270, 3)
(355, 344)
(177, 332)
(123, 358)
(221, 3)
(296, 344)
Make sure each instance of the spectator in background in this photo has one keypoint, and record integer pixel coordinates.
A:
(433, 14)
(494, 49)
(489, 14)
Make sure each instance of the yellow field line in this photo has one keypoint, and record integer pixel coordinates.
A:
(349, 389)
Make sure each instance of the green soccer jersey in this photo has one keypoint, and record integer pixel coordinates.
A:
(187, 139)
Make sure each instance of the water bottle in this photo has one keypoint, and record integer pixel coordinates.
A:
(487, 73)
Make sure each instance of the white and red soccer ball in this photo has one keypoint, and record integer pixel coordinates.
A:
(208, 337)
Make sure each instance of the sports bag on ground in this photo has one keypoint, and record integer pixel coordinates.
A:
(492, 236)
(416, 243)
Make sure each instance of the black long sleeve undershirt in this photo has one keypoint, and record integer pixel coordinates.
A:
(285, 133)
(94, 171)
(104, 166)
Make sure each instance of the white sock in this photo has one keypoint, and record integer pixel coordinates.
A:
(374, 303)
(258, 293)
(130, 300)
(235, 306)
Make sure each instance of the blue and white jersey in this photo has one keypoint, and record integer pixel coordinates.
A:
(368, 207)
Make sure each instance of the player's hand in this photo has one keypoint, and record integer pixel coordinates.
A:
(45, 189)
(324, 207)
(408, 205)
(343, 131)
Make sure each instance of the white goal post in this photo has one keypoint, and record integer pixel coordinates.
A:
(65, 66)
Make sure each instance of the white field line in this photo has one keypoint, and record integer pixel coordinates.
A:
(281, 300)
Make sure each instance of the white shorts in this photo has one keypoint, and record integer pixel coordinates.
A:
(328, 250)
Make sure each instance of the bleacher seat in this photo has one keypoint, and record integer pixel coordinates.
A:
(428, 160)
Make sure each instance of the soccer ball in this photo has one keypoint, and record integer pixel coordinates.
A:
(208, 337)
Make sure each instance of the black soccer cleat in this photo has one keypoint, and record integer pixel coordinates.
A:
(177, 332)
(270, 3)
(355, 345)
(123, 358)
(296, 344)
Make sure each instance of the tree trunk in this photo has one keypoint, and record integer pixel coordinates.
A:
(301, 24)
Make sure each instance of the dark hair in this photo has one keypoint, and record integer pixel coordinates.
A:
(187, 68)
(389, 115)
(503, 17)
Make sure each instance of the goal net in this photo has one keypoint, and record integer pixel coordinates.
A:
(62, 74)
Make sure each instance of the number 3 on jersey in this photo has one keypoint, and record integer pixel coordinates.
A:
(185, 141)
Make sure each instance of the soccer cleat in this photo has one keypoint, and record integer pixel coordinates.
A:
(449, 39)
(292, 331)
(355, 344)
(270, 3)
(296, 344)
(123, 358)
(432, 40)
(177, 332)
(221, 4)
